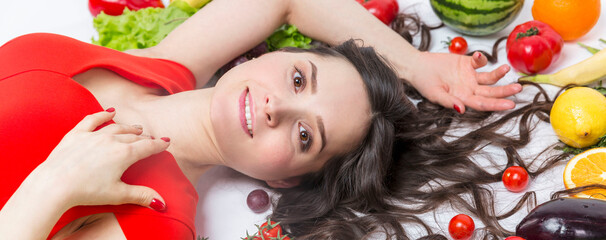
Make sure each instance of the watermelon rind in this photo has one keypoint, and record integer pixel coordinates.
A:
(477, 17)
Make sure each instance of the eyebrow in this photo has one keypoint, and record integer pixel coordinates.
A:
(314, 81)
(322, 133)
(314, 89)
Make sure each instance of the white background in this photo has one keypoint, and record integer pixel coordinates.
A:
(222, 211)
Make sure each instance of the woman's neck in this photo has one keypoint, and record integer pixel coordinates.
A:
(184, 118)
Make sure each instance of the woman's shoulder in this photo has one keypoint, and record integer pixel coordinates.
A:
(70, 57)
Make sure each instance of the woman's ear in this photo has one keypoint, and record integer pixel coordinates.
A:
(284, 183)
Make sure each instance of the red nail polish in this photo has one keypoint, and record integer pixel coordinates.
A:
(456, 108)
(166, 139)
(152, 137)
(111, 109)
(157, 205)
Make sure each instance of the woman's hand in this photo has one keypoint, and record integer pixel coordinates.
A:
(87, 165)
(84, 169)
(452, 81)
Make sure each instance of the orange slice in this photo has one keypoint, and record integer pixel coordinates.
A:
(587, 168)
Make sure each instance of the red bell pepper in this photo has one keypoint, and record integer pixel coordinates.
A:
(533, 46)
(116, 7)
(384, 10)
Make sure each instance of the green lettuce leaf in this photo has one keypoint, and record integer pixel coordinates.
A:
(140, 29)
(287, 36)
(147, 27)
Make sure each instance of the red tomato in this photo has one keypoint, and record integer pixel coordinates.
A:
(533, 46)
(514, 238)
(116, 7)
(515, 178)
(461, 227)
(384, 10)
(273, 230)
(457, 45)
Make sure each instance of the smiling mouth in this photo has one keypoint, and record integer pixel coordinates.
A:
(246, 116)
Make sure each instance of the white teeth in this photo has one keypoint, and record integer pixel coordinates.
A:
(247, 114)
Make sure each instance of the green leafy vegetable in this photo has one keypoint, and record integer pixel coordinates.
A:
(600, 89)
(140, 29)
(147, 27)
(287, 36)
(575, 151)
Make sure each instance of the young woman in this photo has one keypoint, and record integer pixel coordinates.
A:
(293, 119)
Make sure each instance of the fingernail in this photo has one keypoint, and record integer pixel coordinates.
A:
(111, 109)
(456, 108)
(476, 55)
(152, 137)
(157, 205)
(137, 126)
(165, 139)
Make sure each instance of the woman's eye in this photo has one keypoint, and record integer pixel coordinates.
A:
(304, 136)
(298, 80)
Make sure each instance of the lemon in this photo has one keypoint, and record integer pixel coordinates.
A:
(578, 116)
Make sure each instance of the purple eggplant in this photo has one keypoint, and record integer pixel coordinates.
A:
(565, 218)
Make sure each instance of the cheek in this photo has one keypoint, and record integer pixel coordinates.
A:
(276, 154)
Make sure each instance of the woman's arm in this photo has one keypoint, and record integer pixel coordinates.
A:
(70, 176)
(224, 29)
(33, 209)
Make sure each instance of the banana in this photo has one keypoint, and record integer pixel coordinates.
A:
(585, 72)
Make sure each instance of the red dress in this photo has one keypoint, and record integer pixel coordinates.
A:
(40, 103)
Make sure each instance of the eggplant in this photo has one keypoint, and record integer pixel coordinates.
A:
(565, 218)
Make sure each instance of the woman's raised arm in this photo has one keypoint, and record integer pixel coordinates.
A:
(225, 29)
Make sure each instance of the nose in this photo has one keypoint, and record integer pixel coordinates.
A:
(276, 110)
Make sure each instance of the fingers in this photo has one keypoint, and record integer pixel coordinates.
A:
(122, 129)
(449, 101)
(131, 138)
(478, 60)
(493, 76)
(147, 147)
(482, 103)
(141, 195)
(91, 122)
(498, 91)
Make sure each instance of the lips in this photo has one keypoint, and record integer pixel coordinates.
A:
(246, 110)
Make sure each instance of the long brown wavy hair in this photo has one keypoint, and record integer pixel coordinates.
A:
(404, 166)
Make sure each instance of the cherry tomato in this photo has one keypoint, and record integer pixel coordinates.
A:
(515, 179)
(384, 10)
(461, 227)
(514, 238)
(457, 45)
(271, 230)
(533, 46)
(116, 7)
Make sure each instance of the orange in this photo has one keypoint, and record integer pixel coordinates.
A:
(587, 168)
(570, 18)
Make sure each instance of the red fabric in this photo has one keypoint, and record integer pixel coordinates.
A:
(40, 103)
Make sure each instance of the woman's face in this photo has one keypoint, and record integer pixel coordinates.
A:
(285, 114)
